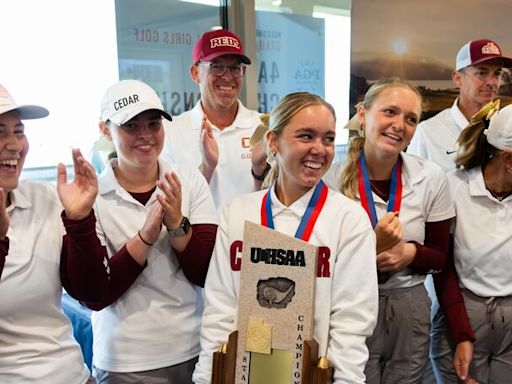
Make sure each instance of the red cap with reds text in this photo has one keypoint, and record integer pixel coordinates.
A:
(478, 51)
(217, 43)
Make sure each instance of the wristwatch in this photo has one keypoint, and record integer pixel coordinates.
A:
(263, 175)
(182, 230)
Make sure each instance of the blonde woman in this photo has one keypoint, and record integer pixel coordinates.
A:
(300, 144)
(407, 201)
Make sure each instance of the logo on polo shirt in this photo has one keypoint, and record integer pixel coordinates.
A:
(245, 142)
(126, 101)
(224, 41)
(490, 49)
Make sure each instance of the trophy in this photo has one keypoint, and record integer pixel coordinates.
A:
(274, 340)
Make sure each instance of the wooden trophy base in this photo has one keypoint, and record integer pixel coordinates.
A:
(314, 370)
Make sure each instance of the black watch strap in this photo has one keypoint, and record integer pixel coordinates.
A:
(262, 176)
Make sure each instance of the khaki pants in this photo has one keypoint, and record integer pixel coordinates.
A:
(176, 374)
(491, 320)
(399, 345)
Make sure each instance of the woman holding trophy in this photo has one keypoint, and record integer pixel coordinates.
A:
(300, 145)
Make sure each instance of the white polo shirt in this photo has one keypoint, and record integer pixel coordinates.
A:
(483, 235)
(435, 138)
(36, 338)
(425, 198)
(345, 307)
(156, 322)
(232, 176)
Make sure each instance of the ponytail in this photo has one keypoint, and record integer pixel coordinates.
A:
(349, 177)
(473, 148)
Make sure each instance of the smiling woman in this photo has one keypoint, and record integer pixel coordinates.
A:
(407, 201)
(14, 149)
(14, 145)
(156, 224)
(300, 144)
(36, 337)
(303, 152)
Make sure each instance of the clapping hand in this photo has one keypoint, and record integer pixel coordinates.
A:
(210, 149)
(150, 231)
(139, 245)
(259, 161)
(77, 197)
(171, 200)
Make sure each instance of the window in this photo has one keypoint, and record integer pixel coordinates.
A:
(304, 46)
(66, 59)
(61, 55)
(155, 40)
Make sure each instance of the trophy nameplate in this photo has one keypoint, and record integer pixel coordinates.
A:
(276, 306)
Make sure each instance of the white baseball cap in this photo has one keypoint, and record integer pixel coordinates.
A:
(128, 98)
(499, 133)
(27, 112)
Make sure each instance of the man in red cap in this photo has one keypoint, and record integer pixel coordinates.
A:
(477, 74)
(214, 135)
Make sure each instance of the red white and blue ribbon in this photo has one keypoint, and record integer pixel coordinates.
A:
(365, 189)
(310, 216)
